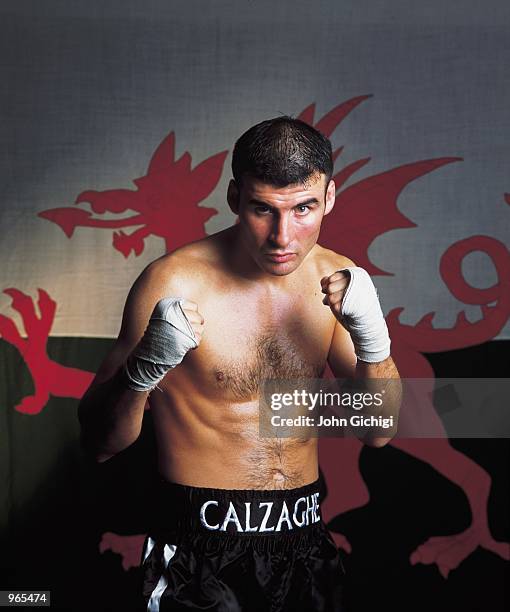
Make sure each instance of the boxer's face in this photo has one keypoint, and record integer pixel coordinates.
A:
(280, 225)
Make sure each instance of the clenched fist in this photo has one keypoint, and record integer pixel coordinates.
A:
(352, 297)
(195, 319)
(334, 287)
(175, 327)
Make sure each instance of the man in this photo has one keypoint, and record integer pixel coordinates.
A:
(240, 525)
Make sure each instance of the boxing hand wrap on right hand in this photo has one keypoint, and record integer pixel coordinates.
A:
(167, 339)
(363, 318)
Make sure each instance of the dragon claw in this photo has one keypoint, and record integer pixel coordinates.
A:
(448, 552)
(32, 404)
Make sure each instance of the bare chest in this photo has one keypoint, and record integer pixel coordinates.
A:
(246, 342)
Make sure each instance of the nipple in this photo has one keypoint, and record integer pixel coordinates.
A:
(220, 375)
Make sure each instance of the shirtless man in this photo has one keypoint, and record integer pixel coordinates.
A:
(240, 525)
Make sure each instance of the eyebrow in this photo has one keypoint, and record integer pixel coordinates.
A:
(304, 203)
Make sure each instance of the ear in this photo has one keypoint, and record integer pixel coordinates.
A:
(233, 197)
(330, 197)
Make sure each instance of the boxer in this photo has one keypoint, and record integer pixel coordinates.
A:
(239, 524)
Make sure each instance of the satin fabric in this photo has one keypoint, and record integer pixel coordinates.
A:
(187, 567)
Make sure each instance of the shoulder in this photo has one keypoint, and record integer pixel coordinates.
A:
(327, 261)
(185, 270)
(179, 272)
(176, 274)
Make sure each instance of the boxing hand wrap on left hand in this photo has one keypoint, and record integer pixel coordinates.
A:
(363, 318)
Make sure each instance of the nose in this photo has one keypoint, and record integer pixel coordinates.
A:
(281, 231)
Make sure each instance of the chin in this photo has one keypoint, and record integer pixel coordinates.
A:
(280, 269)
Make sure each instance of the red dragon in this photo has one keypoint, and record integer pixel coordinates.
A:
(364, 210)
(166, 202)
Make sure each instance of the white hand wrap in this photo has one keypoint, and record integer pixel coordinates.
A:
(363, 318)
(167, 339)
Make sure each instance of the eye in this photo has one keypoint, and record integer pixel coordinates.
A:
(302, 209)
(262, 210)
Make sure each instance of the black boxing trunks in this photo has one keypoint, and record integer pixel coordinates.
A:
(241, 550)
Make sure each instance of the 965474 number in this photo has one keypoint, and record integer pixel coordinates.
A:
(24, 598)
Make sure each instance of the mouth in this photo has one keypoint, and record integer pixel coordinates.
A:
(280, 257)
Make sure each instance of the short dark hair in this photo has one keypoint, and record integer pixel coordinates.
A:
(282, 151)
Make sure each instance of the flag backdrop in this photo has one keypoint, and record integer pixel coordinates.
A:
(119, 120)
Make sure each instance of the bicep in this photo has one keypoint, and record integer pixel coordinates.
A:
(342, 357)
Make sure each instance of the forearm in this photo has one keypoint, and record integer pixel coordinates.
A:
(382, 377)
(352, 297)
(111, 417)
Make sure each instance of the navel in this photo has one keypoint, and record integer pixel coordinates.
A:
(278, 476)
